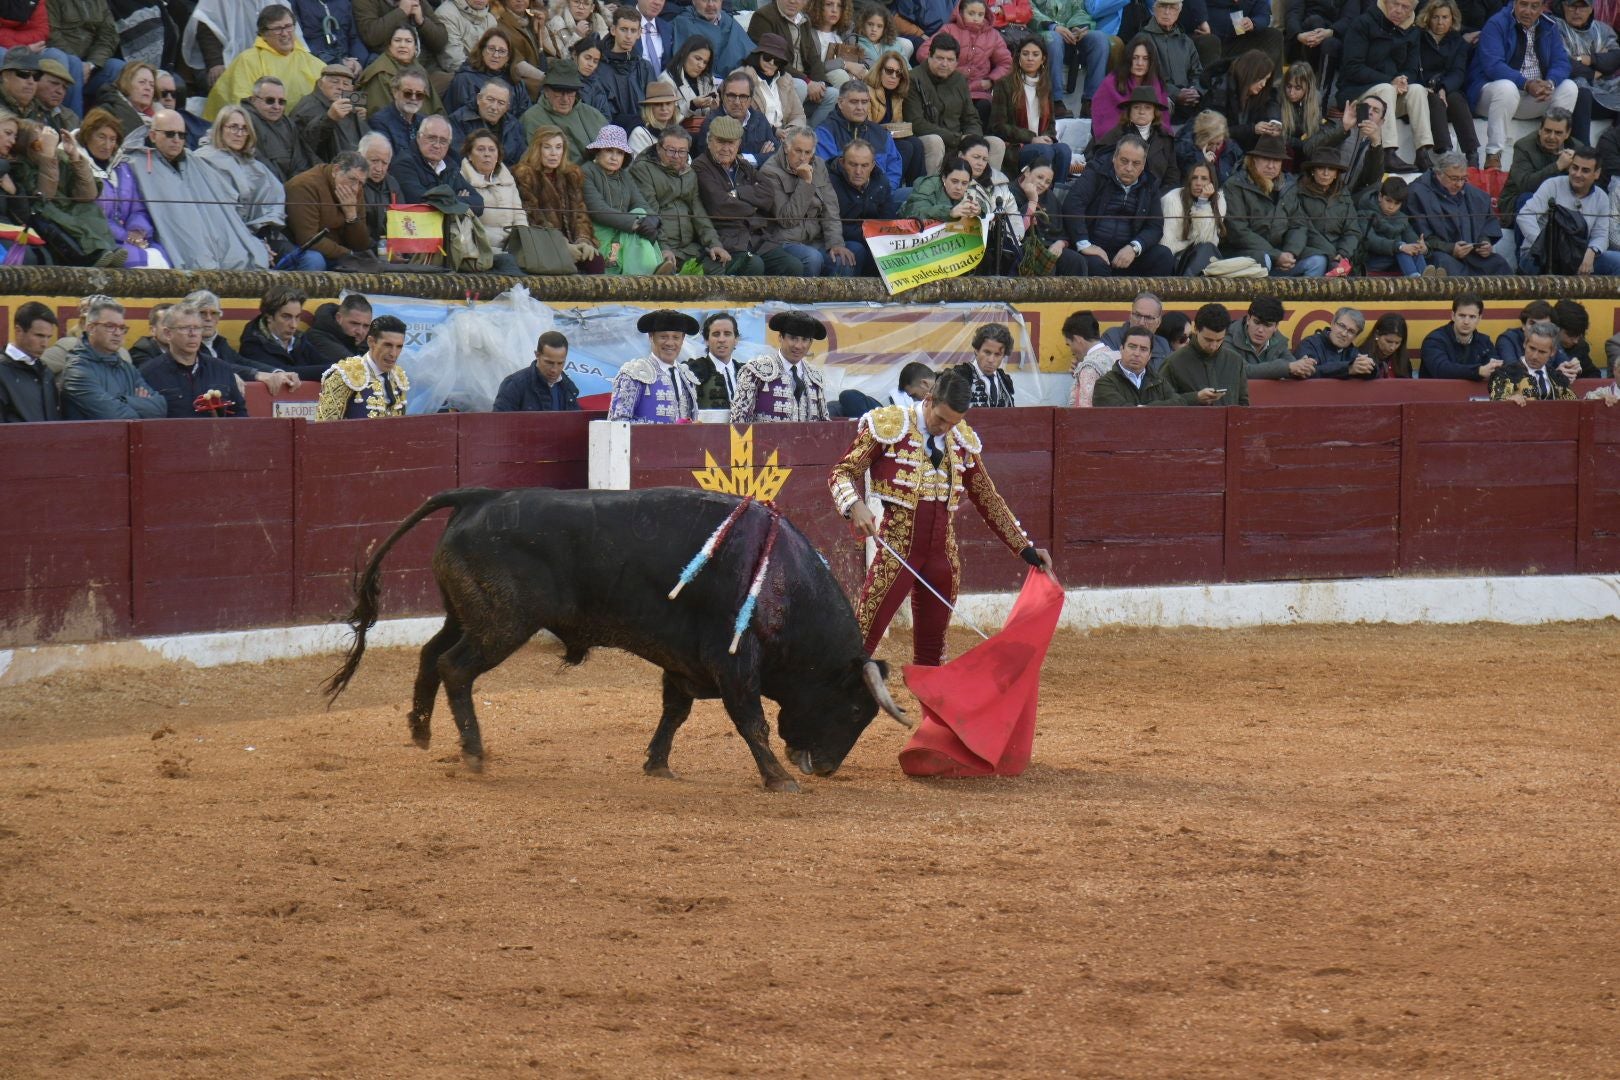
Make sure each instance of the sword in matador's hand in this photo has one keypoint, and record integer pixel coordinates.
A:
(920, 580)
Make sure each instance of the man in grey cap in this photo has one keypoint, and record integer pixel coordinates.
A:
(559, 105)
(331, 119)
(19, 82)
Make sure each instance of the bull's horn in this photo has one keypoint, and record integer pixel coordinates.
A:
(873, 676)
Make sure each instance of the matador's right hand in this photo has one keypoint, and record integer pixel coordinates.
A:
(861, 516)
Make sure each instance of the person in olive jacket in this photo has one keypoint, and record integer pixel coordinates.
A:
(1332, 224)
(1258, 223)
(939, 103)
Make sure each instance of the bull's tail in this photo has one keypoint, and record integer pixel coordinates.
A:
(368, 587)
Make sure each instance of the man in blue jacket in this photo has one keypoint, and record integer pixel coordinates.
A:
(1335, 351)
(1455, 219)
(543, 386)
(849, 121)
(863, 195)
(705, 19)
(1458, 350)
(1113, 218)
(429, 162)
(1520, 69)
(624, 75)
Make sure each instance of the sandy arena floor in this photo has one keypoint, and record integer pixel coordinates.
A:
(1352, 852)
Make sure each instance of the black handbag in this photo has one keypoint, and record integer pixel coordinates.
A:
(540, 249)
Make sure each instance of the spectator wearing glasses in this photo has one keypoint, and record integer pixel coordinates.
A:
(19, 85)
(279, 145)
(560, 107)
(399, 119)
(57, 357)
(232, 150)
(491, 60)
(1333, 350)
(737, 103)
(100, 383)
(190, 383)
(380, 80)
(171, 94)
(29, 37)
(664, 175)
(277, 52)
(1147, 311)
(430, 162)
(192, 206)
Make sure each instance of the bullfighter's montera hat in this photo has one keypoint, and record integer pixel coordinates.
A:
(799, 324)
(666, 319)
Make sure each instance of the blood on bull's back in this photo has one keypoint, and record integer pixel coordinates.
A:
(596, 568)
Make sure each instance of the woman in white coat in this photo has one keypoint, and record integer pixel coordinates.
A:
(1194, 221)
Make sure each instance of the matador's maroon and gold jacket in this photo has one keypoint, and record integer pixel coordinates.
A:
(892, 444)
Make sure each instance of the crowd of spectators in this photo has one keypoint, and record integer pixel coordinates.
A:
(1226, 137)
(186, 368)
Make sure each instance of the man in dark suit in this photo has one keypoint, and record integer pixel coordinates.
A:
(717, 369)
(1533, 378)
(543, 386)
(1129, 382)
(992, 386)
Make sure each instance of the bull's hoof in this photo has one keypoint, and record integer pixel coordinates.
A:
(784, 784)
(661, 771)
(423, 740)
(474, 762)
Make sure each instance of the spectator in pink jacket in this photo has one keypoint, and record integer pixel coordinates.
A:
(983, 58)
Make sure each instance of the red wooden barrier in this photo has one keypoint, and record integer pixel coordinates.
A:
(1340, 392)
(512, 450)
(1139, 495)
(1488, 489)
(212, 516)
(1018, 455)
(1313, 493)
(1598, 532)
(355, 482)
(64, 571)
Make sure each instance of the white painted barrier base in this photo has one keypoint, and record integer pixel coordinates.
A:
(1519, 601)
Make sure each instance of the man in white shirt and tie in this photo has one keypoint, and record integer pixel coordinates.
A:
(655, 33)
(992, 387)
(1532, 379)
(717, 369)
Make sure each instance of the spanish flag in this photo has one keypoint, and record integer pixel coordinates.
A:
(19, 234)
(415, 229)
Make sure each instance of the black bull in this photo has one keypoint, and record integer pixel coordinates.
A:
(595, 568)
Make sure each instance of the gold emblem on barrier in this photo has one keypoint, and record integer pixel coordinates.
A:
(742, 478)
